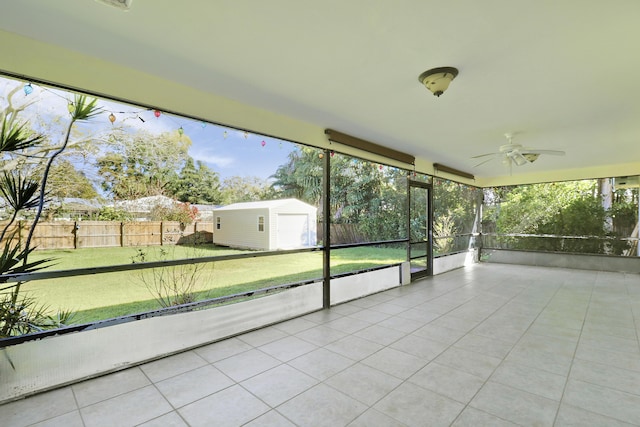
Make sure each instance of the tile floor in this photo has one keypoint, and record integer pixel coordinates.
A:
(488, 345)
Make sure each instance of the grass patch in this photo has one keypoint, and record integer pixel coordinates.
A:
(108, 295)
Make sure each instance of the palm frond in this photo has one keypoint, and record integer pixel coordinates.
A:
(11, 261)
(18, 192)
(85, 108)
(14, 137)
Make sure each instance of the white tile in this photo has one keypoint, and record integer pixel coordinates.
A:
(514, 405)
(439, 333)
(247, 364)
(554, 330)
(279, 384)
(132, 408)
(373, 418)
(323, 316)
(619, 359)
(560, 346)
(321, 363)
(369, 315)
(472, 417)
(223, 349)
(321, 335)
(38, 408)
(473, 363)
(270, 419)
(353, 347)
(70, 419)
(287, 348)
(532, 380)
(543, 360)
(322, 406)
(294, 326)
(608, 342)
(108, 386)
(380, 334)
(262, 336)
(347, 325)
(172, 419)
(345, 309)
(606, 376)
(484, 345)
(393, 362)
(571, 416)
(402, 324)
(449, 382)
(453, 322)
(193, 385)
(172, 365)
(499, 332)
(389, 308)
(416, 406)
(232, 406)
(424, 348)
(604, 401)
(363, 383)
(628, 332)
(418, 315)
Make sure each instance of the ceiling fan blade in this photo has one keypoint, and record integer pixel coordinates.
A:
(482, 163)
(552, 152)
(485, 155)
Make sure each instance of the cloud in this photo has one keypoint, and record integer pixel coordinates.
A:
(212, 159)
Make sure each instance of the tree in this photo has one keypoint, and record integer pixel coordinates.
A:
(370, 197)
(301, 177)
(197, 183)
(65, 180)
(140, 165)
(572, 208)
(244, 189)
(20, 313)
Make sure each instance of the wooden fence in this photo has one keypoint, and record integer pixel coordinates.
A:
(102, 234)
(342, 234)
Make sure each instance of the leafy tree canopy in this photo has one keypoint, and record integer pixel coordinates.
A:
(197, 183)
(140, 164)
(237, 189)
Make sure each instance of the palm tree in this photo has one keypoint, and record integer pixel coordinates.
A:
(20, 313)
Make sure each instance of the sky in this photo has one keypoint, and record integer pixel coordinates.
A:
(225, 150)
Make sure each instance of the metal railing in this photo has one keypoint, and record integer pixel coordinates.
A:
(600, 245)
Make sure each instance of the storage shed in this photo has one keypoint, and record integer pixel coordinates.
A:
(266, 225)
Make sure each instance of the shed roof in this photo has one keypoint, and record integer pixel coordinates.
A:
(262, 204)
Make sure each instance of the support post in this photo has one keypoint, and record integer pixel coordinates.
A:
(326, 238)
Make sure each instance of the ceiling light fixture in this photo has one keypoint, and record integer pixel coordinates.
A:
(120, 4)
(437, 79)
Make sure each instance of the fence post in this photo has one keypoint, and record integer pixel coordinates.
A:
(75, 234)
(20, 224)
(195, 232)
(122, 234)
(161, 233)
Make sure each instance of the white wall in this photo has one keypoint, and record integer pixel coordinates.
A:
(239, 228)
(358, 285)
(55, 361)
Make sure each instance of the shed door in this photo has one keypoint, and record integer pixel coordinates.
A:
(293, 231)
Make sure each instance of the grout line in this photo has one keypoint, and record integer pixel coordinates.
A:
(584, 319)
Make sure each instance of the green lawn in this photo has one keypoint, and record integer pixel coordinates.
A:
(103, 296)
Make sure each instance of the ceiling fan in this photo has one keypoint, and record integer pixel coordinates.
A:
(517, 154)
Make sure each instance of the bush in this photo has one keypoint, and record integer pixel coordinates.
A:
(183, 213)
(109, 213)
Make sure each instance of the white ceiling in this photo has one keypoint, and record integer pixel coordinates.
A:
(564, 74)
